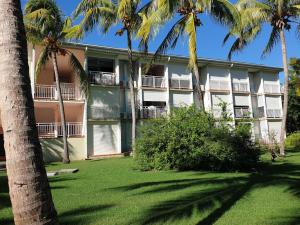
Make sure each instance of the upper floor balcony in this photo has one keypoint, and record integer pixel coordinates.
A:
(240, 87)
(274, 113)
(69, 92)
(103, 112)
(219, 85)
(102, 78)
(54, 130)
(153, 81)
(241, 112)
(152, 112)
(272, 89)
(180, 83)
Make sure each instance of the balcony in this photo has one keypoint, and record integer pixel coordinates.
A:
(271, 89)
(240, 87)
(49, 92)
(219, 85)
(103, 113)
(242, 112)
(274, 113)
(54, 130)
(102, 78)
(180, 83)
(259, 112)
(153, 81)
(152, 112)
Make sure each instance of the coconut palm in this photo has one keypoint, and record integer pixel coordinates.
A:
(280, 15)
(105, 14)
(45, 26)
(189, 20)
(28, 185)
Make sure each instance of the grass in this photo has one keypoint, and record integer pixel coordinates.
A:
(111, 191)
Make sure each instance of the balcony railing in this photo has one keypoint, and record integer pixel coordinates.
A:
(152, 112)
(102, 78)
(98, 113)
(240, 86)
(241, 112)
(272, 88)
(180, 83)
(153, 81)
(219, 85)
(49, 92)
(54, 130)
(274, 113)
(259, 112)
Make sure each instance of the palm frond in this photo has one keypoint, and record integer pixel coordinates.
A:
(42, 60)
(83, 77)
(273, 39)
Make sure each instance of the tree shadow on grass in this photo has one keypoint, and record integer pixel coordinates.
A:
(214, 197)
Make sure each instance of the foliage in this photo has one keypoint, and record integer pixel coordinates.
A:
(292, 142)
(192, 139)
(293, 117)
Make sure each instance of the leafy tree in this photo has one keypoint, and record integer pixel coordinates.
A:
(45, 26)
(29, 190)
(293, 117)
(280, 15)
(189, 12)
(105, 14)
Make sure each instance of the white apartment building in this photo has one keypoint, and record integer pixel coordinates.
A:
(101, 125)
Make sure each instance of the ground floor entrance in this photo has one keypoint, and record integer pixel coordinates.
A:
(2, 152)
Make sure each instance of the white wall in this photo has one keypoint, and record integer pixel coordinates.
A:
(274, 128)
(239, 75)
(218, 73)
(181, 99)
(218, 98)
(242, 100)
(155, 96)
(273, 102)
(101, 97)
(178, 71)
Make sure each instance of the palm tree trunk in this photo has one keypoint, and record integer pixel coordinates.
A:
(66, 158)
(285, 95)
(28, 185)
(198, 86)
(132, 95)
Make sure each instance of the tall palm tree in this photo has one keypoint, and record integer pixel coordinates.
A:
(189, 20)
(46, 27)
(280, 15)
(28, 185)
(105, 14)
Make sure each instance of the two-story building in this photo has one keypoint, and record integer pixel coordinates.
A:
(101, 125)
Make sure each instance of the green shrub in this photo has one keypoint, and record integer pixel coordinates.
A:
(292, 142)
(191, 139)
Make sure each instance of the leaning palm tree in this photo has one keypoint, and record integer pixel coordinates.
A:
(105, 14)
(280, 15)
(29, 190)
(189, 20)
(46, 27)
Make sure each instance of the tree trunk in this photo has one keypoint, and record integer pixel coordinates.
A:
(198, 86)
(132, 94)
(285, 95)
(28, 185)
(66, 158)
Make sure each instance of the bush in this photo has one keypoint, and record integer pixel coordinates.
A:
(292, 142)
(192, 139)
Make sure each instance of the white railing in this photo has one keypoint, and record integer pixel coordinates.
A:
(148, 112)
(54, 130)
(180, 83)
(274, 113)
(102, 78)
(240, 86)
(217, 112)
(49, 92)
(108, 112)
(219, 85)
(272, 88)
(153, 81)
(241, 112)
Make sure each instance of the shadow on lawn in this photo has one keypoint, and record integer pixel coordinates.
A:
(219, 196)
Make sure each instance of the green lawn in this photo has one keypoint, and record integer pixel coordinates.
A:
(111, 191)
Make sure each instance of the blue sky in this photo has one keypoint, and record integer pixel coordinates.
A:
(210, 37)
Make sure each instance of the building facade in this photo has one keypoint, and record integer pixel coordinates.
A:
(101, 125)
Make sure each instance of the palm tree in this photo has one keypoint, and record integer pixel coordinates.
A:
(46, 27)
(28, 185)
(189, 20)
(280, 15)
(105, 14)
